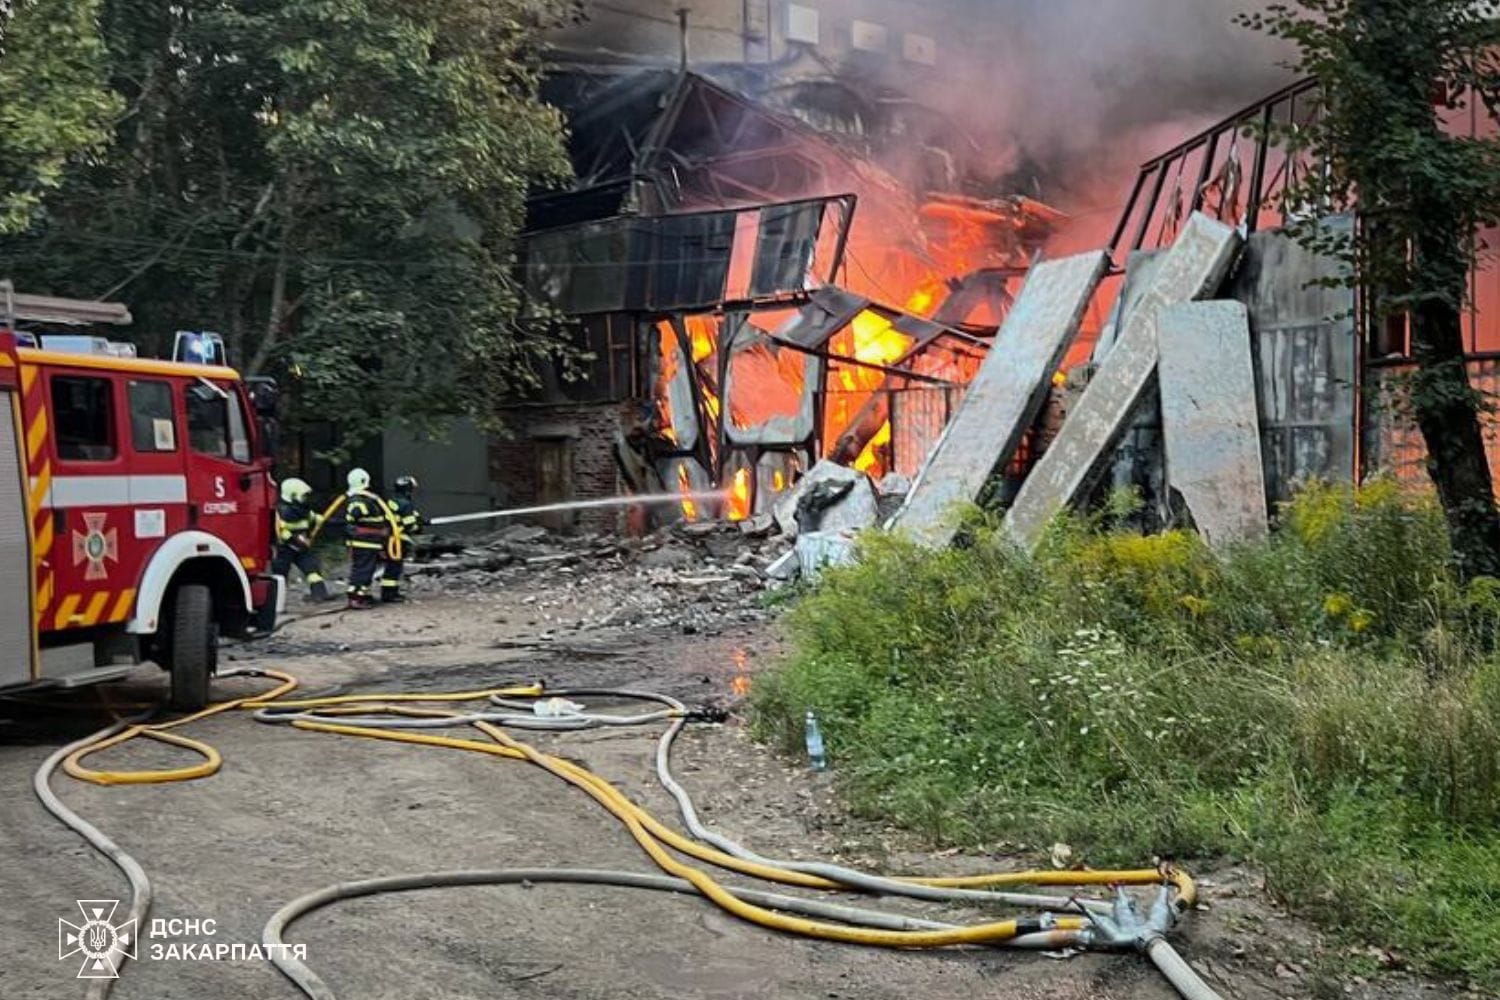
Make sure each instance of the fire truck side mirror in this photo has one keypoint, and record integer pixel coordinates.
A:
(264, 394)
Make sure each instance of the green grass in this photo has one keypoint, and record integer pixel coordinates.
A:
(1325, 705)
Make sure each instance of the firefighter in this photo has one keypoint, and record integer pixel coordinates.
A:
(404, 508)
(366, 531)
(296, 521)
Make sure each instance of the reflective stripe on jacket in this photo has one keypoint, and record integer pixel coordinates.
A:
(293, 519)
(366, 522)
(407, 515)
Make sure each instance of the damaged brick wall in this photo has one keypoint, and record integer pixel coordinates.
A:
(561, 452)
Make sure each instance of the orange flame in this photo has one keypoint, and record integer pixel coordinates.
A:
(685, 487)
(876, 342)
(704, 333)
(740, 686)
(872, 339)
(739, 496)
(871, 461)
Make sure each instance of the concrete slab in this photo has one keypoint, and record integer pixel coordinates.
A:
(1194, 267)
(818, 550)
(855, 511)
(1210, 423)
(1005, 397)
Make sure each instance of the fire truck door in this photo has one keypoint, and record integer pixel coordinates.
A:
(224, 482)
(15, 550)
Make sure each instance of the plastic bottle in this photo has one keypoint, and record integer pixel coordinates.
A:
(816, 756)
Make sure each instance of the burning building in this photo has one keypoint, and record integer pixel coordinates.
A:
(751, 296)
(1330, 373)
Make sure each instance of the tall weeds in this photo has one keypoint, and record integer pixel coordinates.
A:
(1326, 703)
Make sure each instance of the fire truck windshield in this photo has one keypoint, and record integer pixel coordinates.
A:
(216, 423)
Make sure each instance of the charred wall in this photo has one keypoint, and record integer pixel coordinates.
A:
(562, 451)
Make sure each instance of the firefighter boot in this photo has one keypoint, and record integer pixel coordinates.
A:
(360, 602)
(318, 591)
(390, 592)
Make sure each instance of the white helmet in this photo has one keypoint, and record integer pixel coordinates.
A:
(359, 480)
(294, 490)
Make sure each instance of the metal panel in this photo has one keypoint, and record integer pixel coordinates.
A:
(1194, 267)
(1209, 421)
(785, 250)
(830, 310)
(15, 553)
(918, 417)
(1306, 361)
(689, 260)
(1004, 399)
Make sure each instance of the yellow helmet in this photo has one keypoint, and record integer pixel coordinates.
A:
(294, 490)
(359, 480)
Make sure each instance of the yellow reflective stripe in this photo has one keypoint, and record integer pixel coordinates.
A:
(123, 604)
(28, 378)
(66, 610)
(6, 361)
(36, 434)
(92, 613)
(44, 595)
(44, 540)
(43, 484)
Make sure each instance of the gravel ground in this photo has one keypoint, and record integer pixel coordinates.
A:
(293, 811)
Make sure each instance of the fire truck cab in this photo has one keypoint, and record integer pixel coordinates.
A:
(136, 505)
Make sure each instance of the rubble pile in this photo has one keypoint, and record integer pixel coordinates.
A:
(695, 577)
(688, 575)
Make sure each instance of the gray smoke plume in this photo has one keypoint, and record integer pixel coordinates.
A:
(1078, 92)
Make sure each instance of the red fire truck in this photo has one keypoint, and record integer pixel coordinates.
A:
(135, 506)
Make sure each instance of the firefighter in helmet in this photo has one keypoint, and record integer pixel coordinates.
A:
(404, 508)
(366, 532)
(296, 521)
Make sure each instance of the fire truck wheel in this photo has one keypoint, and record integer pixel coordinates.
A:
(194, 647)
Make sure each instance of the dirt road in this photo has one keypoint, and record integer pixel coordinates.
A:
(293, 811)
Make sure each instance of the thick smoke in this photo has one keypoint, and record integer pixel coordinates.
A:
(1071, 95)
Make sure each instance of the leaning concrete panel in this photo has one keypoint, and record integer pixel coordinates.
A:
(1004, 398)
(1306, 359)
(1194, 267)
(1210, 423)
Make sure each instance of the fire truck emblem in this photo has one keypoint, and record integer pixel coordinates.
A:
(94, 545)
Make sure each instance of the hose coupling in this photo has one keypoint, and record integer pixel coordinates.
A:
(715, 714)
(1126, 928)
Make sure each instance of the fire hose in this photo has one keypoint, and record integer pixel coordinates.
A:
(398, 717)
(393, 541)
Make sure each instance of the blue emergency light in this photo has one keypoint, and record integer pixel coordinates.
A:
(199, 347)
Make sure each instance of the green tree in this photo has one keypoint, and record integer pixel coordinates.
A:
(335, 185)
(54, 106)
(1389, 70)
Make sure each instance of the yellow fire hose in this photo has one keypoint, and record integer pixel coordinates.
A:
(393, 542)
(655, 838)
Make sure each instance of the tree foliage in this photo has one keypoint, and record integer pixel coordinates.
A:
(54, 106)
(335, 185)
(1394, 75)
